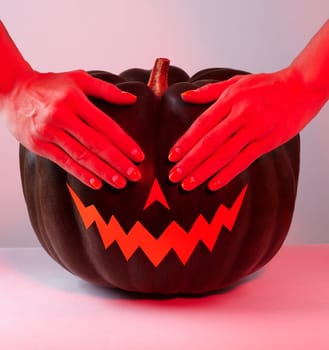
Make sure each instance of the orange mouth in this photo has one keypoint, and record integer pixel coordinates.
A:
(174, 237)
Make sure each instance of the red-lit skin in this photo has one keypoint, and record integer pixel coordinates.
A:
(252, 115)
(49, 112)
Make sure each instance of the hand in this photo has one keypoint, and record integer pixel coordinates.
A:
(51, 115)
(252, 115)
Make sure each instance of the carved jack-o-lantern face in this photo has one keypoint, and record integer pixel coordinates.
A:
(152, 236)
(174, 236)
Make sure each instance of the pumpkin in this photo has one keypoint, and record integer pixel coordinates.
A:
(152, 236)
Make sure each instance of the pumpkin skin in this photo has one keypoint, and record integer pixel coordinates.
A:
(266, 190)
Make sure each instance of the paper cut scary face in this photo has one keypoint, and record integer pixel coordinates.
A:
(152, 236)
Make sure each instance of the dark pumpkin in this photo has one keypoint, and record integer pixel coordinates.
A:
(152, 237)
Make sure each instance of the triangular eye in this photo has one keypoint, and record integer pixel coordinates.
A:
(156, 194)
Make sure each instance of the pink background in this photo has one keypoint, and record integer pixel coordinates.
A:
(252, 35)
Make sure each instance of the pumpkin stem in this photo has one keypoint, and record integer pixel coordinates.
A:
(158, 81)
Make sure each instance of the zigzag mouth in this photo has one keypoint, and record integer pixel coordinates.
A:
(174, 237)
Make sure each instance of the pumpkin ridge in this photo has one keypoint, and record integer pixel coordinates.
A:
(267, 170)
(274, 245)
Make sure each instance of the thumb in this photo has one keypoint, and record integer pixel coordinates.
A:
(99, 88)
(209, 92)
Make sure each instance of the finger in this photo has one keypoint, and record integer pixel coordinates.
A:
(240, 163)
(93, 161)
(59, 157)
(201, 126)
(209, 92)
(99, 88)
(106, 126)
(217, 160)
(98, 148)
(80, 163)
(205, 147)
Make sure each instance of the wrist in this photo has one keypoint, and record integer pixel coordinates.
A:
(12, 77)
(314, 86)
(12, 62)
(307, 96)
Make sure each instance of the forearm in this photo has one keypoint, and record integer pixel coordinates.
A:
(312, 64)
(12, 63)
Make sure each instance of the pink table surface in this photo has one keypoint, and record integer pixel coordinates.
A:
(285, 306)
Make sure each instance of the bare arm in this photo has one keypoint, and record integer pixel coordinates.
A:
(313, 62)
(12, 63)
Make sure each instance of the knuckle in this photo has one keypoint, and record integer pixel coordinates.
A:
(65, 162)
(80, 77)
(82, 156)
(231, 91)
(69, 94)
(102, 146)
(64, 89)
(98, 144)
(209, 141)
(40, 130)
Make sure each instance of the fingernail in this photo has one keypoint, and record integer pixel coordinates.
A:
(138, 155)
(175, 174)
(134, 174)
(188, 93)
(95, 183)
(118, 181)
(215, 185)
(189, 183)
(128, 94)
(175, 154)
(128, 98)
